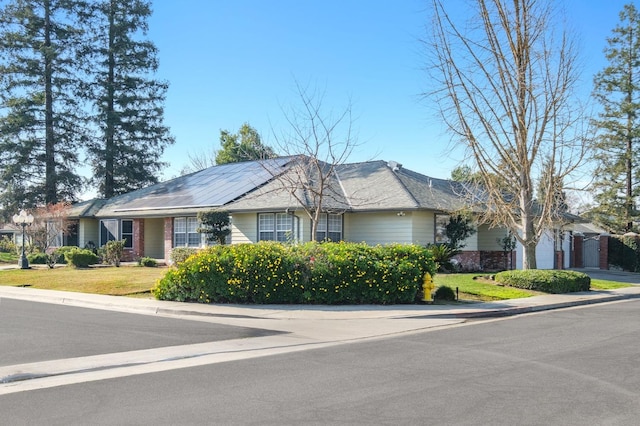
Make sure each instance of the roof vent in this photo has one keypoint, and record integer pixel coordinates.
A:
(394, 165)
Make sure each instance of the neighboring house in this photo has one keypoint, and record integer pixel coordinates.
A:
(12, 232)
(372, 202)
(590, 246)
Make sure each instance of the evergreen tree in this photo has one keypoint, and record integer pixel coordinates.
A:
(617, 88)
(243, 146)
(128, 100)
(40, 115)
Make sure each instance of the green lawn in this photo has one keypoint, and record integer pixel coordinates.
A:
(607, 285)
(471, 289)
(485, 290)
(135, 280)
(123, 281)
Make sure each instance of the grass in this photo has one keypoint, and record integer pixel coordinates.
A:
(123, 281)
(138, 281)
(486, 290)
(607, 285)
(470, 289)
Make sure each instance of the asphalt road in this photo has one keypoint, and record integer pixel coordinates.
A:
(32, 332)
(570, 367)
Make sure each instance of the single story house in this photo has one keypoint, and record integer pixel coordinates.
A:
(375, 202)
(11, 232)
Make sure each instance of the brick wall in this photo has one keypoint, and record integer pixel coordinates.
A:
(471, 261)
(577, 252)
(138, 237)
(468, 260)
(604, 252)
(559, 260)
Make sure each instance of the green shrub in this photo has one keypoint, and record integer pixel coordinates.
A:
(180, 254)
(62, 251)
(113, 252)
(624, 252)
(81, 258)
(38, 258)
(445, 293)
(548, 281)
(7, 245)
(327, 273)
(442, 254)
(148, 262)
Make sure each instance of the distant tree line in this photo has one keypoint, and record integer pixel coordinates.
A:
(77, 87)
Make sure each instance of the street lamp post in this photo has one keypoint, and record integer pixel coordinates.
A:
(23, 219)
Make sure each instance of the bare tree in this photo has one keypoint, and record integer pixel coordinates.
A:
(504, 84)
(317, 142)
(51, 223)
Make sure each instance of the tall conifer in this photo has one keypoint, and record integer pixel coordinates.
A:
(617, 88)
(40, 115)
(128, 100)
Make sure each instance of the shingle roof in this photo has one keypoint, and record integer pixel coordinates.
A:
(378, 185)
(208, 188)
(251, 186)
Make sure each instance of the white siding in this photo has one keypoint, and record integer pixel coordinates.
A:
(566, 248)
(304, 223)
(423, 227)
(244, 228)
(154, 238)
(87, 231)
(488, 238)
(545, 252)
(378, 228)
(472, 243)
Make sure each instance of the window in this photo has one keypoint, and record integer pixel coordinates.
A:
(266, 226)
(108, 231)
(440, 234)
(115, 230)
(127, 233)
(185, 232)
(275, 226)
(329, 227)
(54, 233)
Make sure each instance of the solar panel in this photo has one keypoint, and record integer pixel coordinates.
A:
(215, 186)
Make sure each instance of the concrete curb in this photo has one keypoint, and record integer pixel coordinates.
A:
(507, 312)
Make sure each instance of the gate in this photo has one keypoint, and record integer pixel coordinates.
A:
(591, 252)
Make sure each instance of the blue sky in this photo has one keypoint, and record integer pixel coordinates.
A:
(230, 62)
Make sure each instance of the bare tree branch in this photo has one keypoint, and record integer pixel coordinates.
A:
(503, 84)
(317, 142)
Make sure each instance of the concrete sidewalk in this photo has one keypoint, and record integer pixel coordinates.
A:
(321, 312)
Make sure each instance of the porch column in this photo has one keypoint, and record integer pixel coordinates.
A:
(604, 252)
(578, 240)
(138, 237)
(168, 239)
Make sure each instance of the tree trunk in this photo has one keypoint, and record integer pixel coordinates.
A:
(109, 147)
(529, 257)
(50, 185)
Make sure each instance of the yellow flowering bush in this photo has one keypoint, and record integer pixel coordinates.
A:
(322, 273)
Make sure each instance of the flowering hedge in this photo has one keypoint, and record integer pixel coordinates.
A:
(326, 273)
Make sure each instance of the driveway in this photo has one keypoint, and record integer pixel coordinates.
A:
(619, 276)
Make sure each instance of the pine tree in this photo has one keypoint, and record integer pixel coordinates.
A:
(244, 146)
(128, 100)
(617, 88)
(40, 115)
